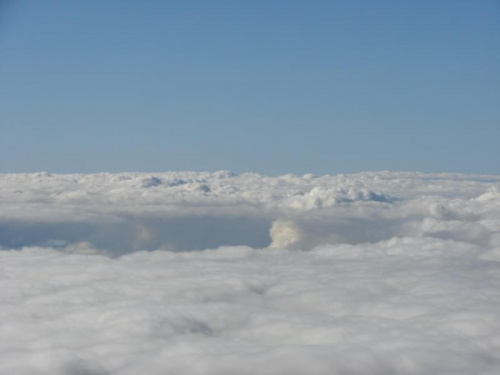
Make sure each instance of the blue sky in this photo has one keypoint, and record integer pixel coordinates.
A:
(266, 86)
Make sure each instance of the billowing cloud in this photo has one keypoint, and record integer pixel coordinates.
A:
(127, 212)
(374, 273)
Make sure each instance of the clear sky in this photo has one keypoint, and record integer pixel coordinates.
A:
(265, 86)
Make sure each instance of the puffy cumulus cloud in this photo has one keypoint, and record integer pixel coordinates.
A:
(284, 234)
(126, 212)
(402, 306)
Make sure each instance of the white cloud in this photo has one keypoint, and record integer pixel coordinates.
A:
(187, 210)
(404, 306)
(284, 234)
(374, 273)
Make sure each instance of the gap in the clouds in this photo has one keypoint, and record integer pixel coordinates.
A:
(177, 234)
(191, 233)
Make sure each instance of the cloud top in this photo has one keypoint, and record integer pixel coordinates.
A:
(373, 273)
(188, 211)
(403, 306)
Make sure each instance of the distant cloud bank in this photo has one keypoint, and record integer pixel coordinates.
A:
(120, 213)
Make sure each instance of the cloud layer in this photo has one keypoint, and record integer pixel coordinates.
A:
(403, 306)
(120, 213)
(376, 273)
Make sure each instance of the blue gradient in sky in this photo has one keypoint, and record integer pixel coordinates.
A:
(265, 86)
